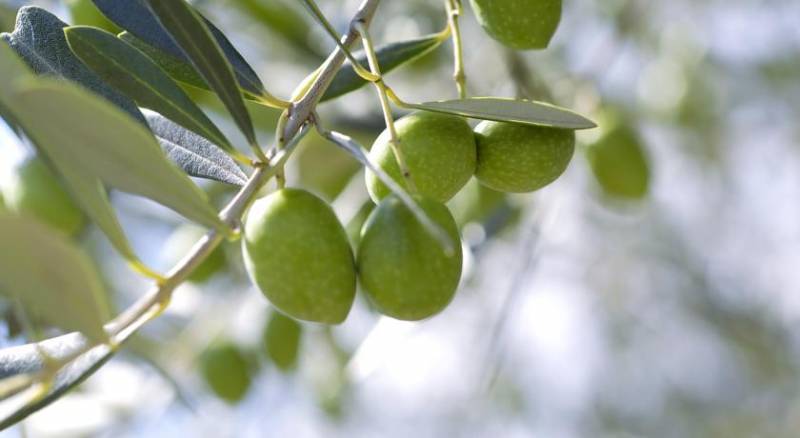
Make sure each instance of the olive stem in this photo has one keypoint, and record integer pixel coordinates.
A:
(454, 9)
(360, 154)
(394, 140)
(357, 67)
(153, 302)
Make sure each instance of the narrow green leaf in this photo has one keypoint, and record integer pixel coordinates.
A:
(135, 17)
(177, 68)
(195, 155)
(75, 127)
(51, 277)
(193, 36)
(524, 112)
(390, 56)
(133, 73)
(39, 40)
(86, 189)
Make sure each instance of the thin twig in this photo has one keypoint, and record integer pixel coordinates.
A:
(459, 74)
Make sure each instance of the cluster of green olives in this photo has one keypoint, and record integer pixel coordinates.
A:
(299, 255)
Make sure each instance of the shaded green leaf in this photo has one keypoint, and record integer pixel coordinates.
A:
(390, 56)
(282, 341)
(177, 68)
(135, 17)
(194, 154)
(51, 277)
(133, 73)
(75, 127)
(39, 40)
(192, 35)
(524, 112)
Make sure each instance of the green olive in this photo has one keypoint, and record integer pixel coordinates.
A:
(226, 370)
(519, 24)
(33, 189)
(403, 269)
(618, 160)
(297, 252)
(439, 150)
(518, 158)
(282, 341)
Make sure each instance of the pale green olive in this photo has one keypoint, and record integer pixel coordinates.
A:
(297, 252)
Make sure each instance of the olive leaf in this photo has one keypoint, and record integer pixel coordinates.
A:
(135, 17)
(282, 18)
(195, 155)
(190, 32)
(524, 112)
(51, 277)
(133, 73)
(88, 133)
(177, 68)
(390, 56)
(86, 189)
(39, 40)
(7, 17)
(28, 359)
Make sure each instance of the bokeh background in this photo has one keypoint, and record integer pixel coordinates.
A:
(668, 310)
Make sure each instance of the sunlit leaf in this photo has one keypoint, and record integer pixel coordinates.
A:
(194, 154)
(133, 73)
(190, 32)
(86, 189)
(75, 127)
(390, 56)
(39, 40)
(135, 17)
(51, 277)
(509, 110)
(85, 13)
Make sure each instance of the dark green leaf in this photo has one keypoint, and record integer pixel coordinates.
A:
(75, 127)
(135, 17)
(524, 112)
(177, 68)
(194, 154)
(51, 277)
(390, 56)
(39, 40)
(133, 73)
(192, 35)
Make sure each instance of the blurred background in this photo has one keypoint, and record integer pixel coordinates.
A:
(652, 291)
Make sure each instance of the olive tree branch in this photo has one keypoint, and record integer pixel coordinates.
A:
(380, 87)
(79, 357)
(454, 9)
